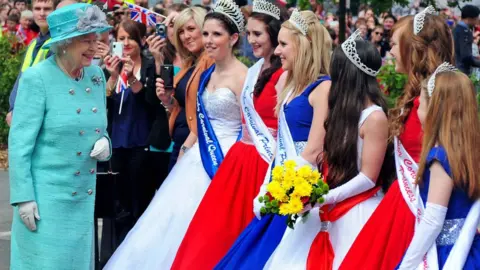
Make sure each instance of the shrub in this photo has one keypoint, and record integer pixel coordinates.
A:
(391, 83)
(9, 69)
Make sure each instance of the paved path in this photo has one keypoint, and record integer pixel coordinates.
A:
(5, 221)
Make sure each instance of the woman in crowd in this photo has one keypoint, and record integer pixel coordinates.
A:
(355, 145)
(376, 38)
(131, 77)
(448, 175)
(419, 47)
(181, 100)
(56, 139)
(153, 242)
(241, 174)
(304, 49)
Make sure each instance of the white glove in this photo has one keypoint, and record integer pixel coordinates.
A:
(355, 186)
(101, 149)
(28, 212)
(425, 235)
(257, 205)
(302, 162)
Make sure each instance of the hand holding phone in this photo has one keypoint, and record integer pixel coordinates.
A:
(166, 73)
(117, 49)
(161, 30)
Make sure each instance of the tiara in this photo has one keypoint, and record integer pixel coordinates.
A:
(299, 22)
(419, 19)
(265, 7)
(232, 11)
(350, 50)
(445, 67)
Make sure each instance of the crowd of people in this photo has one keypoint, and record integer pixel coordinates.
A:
(194, 133)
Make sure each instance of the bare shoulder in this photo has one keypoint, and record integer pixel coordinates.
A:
(377, 122)
(238, 78)
(319, 95)
(281, 82)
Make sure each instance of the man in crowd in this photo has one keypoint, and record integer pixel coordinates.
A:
(463, 37)
(35, 53)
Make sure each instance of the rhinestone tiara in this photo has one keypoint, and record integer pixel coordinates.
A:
(299, 22)
(445, 67)
(232, 11)
(265, 7)
(350, 50)
(419, 19)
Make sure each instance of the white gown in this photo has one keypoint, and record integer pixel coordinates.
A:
(154, 240)
(292, 252)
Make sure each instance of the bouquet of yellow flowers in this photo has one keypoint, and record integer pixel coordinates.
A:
(291, 189)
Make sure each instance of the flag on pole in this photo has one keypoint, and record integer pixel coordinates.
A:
(122, 83)
(142, 15)
(121, 87)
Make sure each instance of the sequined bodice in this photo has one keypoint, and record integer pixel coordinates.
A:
(223, 111)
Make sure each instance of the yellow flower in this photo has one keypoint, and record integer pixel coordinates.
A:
(314, 177)
(277, 192)
(304, 172)
(303, 190)
(290, 164)
(288, 182)
(296, 206)
(299, 180)
(284, 209)
(277, 174)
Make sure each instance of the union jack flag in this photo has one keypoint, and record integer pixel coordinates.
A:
(122, 83)
(142, 15)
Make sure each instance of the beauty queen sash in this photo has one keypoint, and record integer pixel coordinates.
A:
(263, 140)
(210, 149)
(406, 172)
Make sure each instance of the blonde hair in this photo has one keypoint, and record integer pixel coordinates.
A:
(198, 15)
(452, 122)
(312, 59)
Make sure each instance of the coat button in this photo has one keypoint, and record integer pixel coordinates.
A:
(97, 130)
(71, 92)
(81, 132)
(77, 173)
(92, 171)
(88, 90)
(74, 193)
(94, 110)
(79, 153)
(90, 192)
(79, 110)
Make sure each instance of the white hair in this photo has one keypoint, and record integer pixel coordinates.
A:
(57, 47)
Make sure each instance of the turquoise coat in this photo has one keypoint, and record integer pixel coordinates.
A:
(55, 125)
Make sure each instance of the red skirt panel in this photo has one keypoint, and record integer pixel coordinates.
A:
(225, 210)
(385, 237)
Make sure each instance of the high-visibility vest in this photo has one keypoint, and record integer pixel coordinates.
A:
(41, 55)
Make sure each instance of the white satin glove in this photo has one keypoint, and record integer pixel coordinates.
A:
(28, 212)
(355, 186)
(101, 149)
(302, 162)
(425, 235)
(257, 205)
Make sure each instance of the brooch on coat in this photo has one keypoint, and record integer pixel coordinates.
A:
(97, 80)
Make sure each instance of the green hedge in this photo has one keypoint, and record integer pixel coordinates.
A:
(9, 69)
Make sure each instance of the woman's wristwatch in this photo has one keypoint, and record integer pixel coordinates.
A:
(184, 149)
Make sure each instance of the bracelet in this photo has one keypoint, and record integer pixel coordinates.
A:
(184, 149)
(132, 81)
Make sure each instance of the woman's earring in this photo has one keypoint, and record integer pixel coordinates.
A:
(64, 51)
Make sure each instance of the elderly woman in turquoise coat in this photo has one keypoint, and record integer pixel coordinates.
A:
(57, 136)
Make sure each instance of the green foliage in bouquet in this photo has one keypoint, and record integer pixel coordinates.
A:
(9, 69)
(391, 83)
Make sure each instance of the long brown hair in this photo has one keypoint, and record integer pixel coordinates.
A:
(452, 122)
(421, 54)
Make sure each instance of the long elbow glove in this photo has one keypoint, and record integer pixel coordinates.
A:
(355, 186)
(425, 235)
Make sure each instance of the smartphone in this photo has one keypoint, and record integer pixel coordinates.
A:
(161, 30)
(166, 73)
(117, 49)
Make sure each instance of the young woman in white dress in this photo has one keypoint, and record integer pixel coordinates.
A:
(154, 240)
(354, 150)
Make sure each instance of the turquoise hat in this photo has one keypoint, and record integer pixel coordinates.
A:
(75, 20)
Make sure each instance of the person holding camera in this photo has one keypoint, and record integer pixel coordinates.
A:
(131, 78)
(180, 98)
